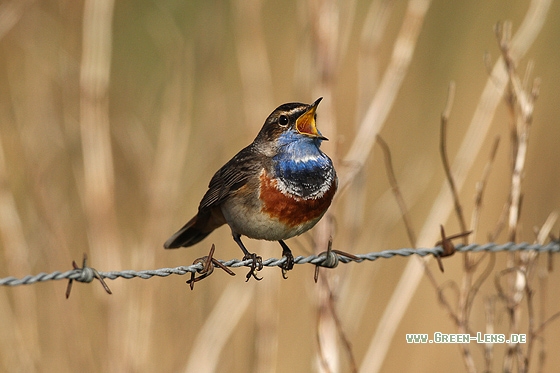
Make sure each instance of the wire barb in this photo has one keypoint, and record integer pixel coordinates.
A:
(208, 263)
(447, 246)
(331, 259)
(85, 274)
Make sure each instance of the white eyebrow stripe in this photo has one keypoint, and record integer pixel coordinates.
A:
(295, 110)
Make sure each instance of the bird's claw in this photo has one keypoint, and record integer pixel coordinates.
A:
(288, 264)
(256, 265)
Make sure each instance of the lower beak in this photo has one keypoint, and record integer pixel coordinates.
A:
(306, 125)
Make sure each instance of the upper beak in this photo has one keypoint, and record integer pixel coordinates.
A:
(306, 125)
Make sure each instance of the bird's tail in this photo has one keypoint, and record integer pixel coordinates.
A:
(200, 226)
(186, 236)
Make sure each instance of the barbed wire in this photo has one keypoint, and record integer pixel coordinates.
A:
(88, 274)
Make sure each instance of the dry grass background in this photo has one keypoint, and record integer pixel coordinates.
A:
(114, 116)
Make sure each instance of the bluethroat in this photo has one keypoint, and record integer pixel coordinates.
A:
(276, 188)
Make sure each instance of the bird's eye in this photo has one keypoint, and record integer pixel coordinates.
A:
(283, 120)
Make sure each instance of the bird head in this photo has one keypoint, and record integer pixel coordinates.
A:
(292, 122)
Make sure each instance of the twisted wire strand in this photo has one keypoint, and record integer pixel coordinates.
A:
(87, 274)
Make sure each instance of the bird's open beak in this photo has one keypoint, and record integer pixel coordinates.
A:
(306, 125)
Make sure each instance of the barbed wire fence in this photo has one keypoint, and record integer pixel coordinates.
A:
(205, 265)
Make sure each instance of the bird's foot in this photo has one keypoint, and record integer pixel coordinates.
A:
(256, 265)
(289, 263)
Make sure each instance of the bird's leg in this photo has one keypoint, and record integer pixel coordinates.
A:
(256, 265)
(289, 263)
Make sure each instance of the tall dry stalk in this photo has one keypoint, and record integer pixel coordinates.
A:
(258, 97)
(324, 17)
(20, 324)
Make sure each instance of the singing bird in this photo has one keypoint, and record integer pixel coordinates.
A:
(276, 188)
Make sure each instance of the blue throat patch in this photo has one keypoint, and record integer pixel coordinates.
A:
(302, 167)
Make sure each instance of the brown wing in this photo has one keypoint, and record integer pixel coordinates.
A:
(232, 176)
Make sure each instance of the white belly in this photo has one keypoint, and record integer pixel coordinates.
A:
(250, 221)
